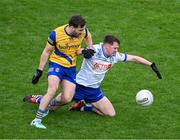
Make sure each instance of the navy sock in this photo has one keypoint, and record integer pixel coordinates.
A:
(87, 107)
(38, 99)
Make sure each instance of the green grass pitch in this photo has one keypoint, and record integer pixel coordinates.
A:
(149, 28)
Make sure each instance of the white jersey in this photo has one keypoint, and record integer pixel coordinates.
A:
(93, 70)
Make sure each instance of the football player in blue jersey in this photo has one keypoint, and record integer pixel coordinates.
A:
(62, 47)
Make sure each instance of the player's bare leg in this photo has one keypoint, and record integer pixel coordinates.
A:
(105, 107)
(102, 107)
(67, 92)
(53, 83)
(97, 111)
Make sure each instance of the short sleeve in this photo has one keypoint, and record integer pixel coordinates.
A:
(121, 57)
(52, 38)
(86, 32)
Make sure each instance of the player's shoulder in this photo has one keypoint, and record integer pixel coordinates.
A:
(121, 56)
(98, 47)
(60, 28)
(60, 32)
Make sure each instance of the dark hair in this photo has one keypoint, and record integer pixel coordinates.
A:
(77, 21)
(111, 39)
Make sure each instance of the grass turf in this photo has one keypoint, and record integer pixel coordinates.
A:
(148, 28)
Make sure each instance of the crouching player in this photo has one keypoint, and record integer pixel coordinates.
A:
(88, 94)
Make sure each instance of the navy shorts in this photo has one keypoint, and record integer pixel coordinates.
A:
(88, 94)
(68, 74)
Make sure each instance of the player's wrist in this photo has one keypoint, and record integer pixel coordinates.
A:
(155, 69)
(83, 51)
(152, 64)
(88, 53)
(39, 70)
(36, 76)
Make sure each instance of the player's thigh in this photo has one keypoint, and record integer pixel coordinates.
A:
(68, 89)
(105, 106)
(53, 84)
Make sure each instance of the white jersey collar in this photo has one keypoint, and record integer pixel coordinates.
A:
(102, 47)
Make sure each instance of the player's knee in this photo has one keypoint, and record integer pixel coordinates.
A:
(111, 114)
(67, 99)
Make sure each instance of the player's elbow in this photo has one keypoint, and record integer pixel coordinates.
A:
(66, 99)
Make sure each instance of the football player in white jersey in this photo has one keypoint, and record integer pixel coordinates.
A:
(88, 95)
(92, 73)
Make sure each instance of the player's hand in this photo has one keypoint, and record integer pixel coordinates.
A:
(88, 53)
(36, 76)
(155, 69)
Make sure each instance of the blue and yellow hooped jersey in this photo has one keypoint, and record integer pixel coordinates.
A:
(65, 46)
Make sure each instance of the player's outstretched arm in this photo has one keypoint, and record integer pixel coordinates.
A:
(138, 59)
(43, 61)
(141, 60)
(155, 69)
